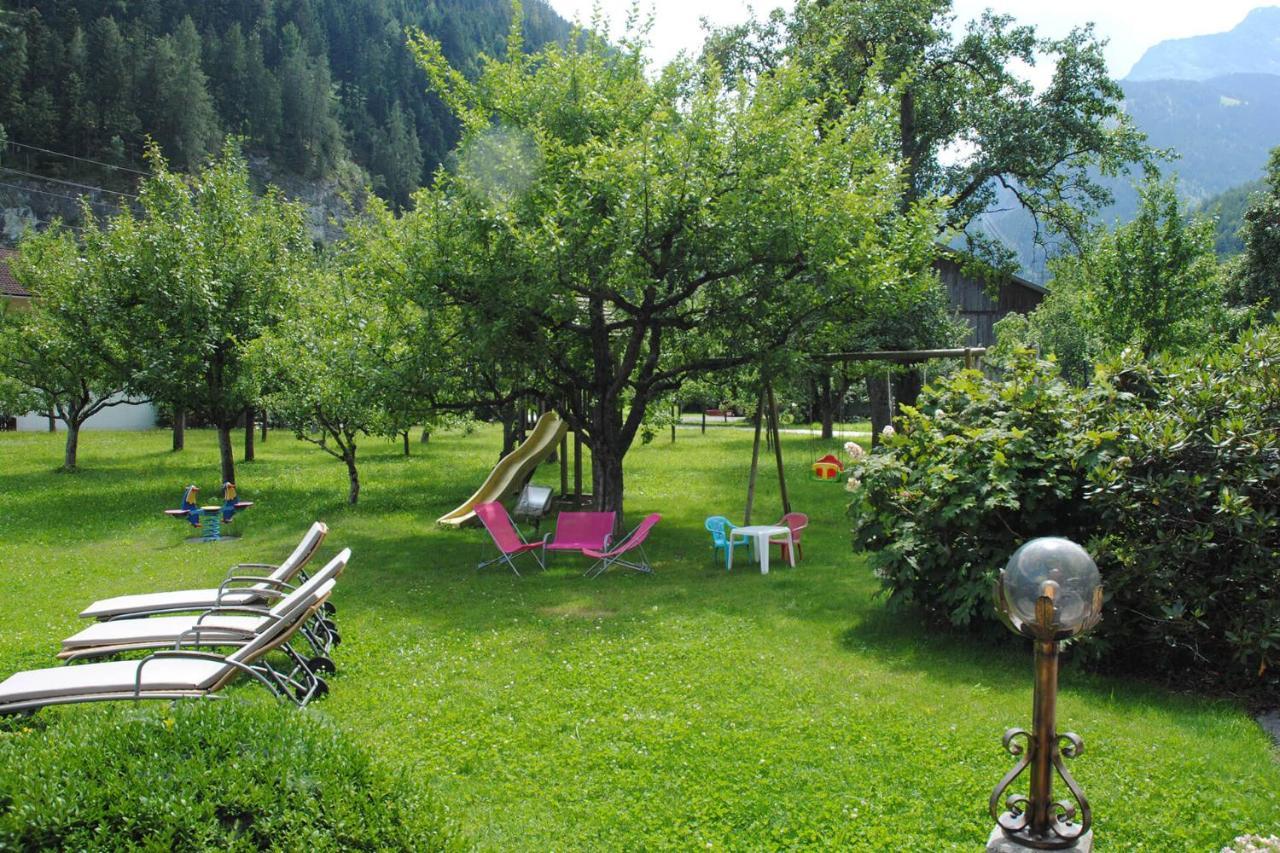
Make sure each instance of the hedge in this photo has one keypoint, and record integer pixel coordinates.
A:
(201, 776)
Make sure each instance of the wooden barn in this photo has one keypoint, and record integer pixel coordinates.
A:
(971, 301)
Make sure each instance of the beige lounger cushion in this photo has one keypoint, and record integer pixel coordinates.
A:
(203, 599)
(160, 629)
(185, 599)
(110, 677)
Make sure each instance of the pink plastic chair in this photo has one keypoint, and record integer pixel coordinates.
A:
(509, 541)
(795, 522)
(578, 531)
(633, 541)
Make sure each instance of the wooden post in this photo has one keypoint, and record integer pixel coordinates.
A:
(564, 465)
(755, 461)
(968, 358)
(704, 420)
(179, 429)
(577, 468)
(777, 450)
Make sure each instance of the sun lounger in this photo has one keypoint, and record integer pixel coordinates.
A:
(177, 674)
(617, 555)
(217, 627)
(258, 590)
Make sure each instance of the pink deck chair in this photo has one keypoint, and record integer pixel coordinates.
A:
(509, 541)
(633, 541)
(578, 531)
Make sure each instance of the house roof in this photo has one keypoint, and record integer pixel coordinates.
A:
(8, 284)
(958, 256)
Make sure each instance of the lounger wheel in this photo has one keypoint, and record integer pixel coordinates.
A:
(321, 664)
(329, 625)
(329, 608)
(321, 689)
(335, 639)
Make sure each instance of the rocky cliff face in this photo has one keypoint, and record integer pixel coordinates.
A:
(29, 203)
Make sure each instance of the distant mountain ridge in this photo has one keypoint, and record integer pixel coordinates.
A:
(1252, 47)
(1214, 101)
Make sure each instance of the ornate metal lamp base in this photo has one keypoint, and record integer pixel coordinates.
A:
(1001, 843)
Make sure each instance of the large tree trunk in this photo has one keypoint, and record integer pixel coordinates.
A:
(406, 442)
(826, 406)
(263, 436)
(508, 430)
(248, 435)
(906, 389)
(179, 429)
(426, 436)
(73, 444)
(606, 480)
(226, 452)
(881, 405)
(353, 476)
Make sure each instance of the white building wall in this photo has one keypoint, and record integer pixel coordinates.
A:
(125, 416)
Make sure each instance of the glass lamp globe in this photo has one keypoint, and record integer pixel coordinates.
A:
(1056, 567)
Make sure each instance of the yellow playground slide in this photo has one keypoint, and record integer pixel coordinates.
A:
(511, 472)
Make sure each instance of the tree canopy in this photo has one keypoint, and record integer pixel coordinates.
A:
(618, 235)
(968, 121)
(66, 354)
(207, 268)
(1258, 276)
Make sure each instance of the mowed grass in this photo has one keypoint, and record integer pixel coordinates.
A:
(690, 709)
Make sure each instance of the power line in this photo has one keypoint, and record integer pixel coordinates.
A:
(54, 195)
(81, 159)
(66, 183)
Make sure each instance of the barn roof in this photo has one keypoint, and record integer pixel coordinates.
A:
(8, 284)
(958, 256)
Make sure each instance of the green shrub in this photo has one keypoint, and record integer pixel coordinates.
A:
(1166, 470)
(981, 465)
(1187, 511)
(200, 776)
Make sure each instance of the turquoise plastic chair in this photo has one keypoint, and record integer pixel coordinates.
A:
(721, 529)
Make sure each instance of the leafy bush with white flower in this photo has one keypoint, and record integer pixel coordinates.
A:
(1168, 471)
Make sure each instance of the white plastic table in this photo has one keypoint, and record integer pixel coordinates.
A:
(763, 533)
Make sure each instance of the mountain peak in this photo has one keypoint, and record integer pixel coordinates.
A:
(1252, 47)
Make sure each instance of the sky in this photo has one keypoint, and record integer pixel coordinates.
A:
(1132, 26)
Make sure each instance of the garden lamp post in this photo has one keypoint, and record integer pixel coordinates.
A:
(1049, 591)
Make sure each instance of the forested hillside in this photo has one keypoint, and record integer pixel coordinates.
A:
(308, 82)
(1228, 209)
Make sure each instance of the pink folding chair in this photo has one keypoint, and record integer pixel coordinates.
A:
(796, 522)
(633, 541)
(509, 540)
(578, 531)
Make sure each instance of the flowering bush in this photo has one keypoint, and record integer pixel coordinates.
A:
(1254, 844)
(1168, 473)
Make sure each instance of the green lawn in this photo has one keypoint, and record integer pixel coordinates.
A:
(693, 708)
